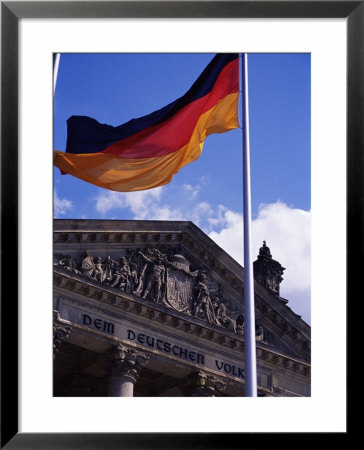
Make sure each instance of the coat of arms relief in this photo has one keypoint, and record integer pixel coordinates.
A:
(163, 276)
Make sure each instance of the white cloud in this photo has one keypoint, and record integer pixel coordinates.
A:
(231, 235)
(287, 233)
(191, 191)
(219, 219)
(61, 205)
(149, 205)
(138, 202)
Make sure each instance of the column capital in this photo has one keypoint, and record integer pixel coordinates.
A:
(60, 334)
(124, 362)
(203, 384)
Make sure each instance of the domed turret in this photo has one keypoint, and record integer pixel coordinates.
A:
(265, 251)
(267, 271)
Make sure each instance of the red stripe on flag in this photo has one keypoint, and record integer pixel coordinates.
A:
(169, 136)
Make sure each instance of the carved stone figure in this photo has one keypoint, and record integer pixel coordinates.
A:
(99, 273)
(122, 274)
(133, 281)
(259, 332)
(223, 318)
(139, 288)
(202, 302)
(155, 280)
(68, 263)
(88, 266)
(143, 270)
(60, 334)
(109, 268)
(240, 329)
(240, 325)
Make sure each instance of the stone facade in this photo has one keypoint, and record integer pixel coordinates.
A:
(149, 308)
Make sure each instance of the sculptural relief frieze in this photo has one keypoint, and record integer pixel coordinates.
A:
(164, 276)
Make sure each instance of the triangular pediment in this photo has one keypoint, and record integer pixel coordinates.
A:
(175, 267)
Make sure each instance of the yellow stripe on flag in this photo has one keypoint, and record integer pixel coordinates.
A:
(122, 174)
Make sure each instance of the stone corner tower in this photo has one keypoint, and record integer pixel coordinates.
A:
(267, 271)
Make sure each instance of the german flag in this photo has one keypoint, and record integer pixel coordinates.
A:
(146, 152)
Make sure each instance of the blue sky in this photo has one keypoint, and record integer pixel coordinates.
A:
(114, 88)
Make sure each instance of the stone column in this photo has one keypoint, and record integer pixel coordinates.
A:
(202, 384)
(123, 368)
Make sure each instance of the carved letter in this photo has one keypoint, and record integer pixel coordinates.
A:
(217, 364)
(183, 353)
(131, 335)
(227, 368)
(97, 323)
(200, 359)
(86, 319)
(167, 347)
(108, 327)
(141, 337)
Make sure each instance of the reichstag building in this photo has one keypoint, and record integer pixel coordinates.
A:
(156, 308)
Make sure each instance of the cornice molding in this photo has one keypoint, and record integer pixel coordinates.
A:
(188, 325)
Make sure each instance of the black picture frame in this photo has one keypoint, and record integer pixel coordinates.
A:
(11, 13)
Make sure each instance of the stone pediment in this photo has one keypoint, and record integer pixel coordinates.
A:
(174, 267)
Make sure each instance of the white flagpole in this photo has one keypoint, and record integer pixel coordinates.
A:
(249, 327)
(56, 58)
